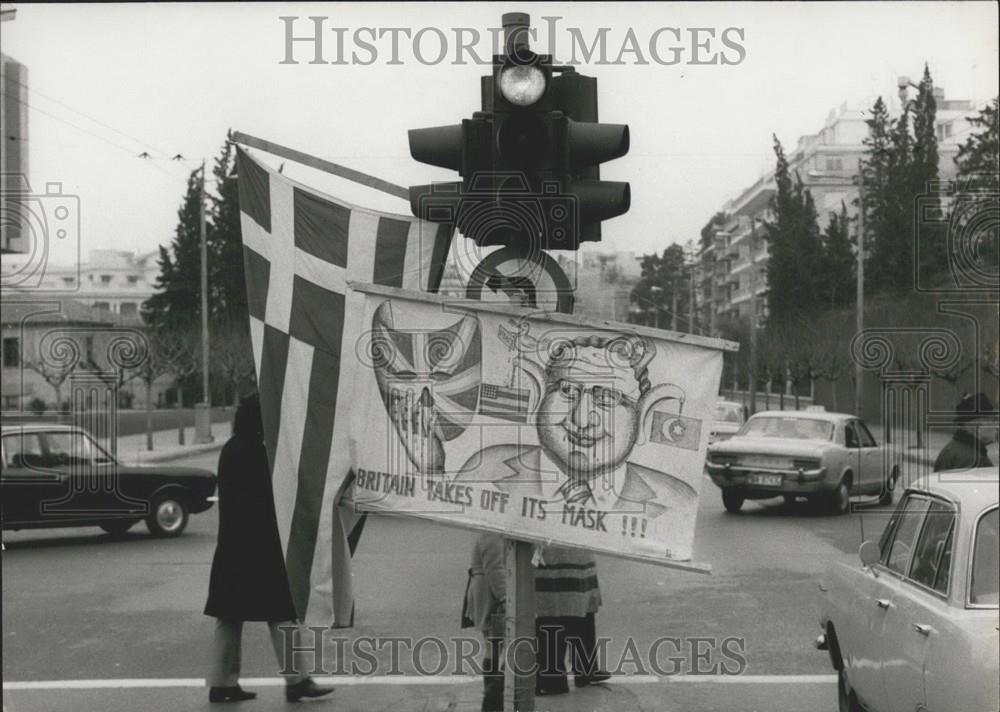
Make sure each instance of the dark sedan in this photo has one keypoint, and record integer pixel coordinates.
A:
(59, 476)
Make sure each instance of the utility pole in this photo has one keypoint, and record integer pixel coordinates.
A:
(860, 306)
(203, 419)
(753, 314)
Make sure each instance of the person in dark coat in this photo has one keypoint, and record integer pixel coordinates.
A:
(975, 432)
(248, 580)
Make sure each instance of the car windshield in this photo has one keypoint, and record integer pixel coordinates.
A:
(728, 413)
(779, 426)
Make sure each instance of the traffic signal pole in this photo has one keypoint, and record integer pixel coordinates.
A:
(529, 162)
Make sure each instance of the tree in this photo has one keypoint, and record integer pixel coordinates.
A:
(227, 283)
(795, 246)
(837, 278)
(232, 354)
(663, 290)
(876, 191)
(711, 227)
(167, 350)
(177, 300)
(930, 239)
(980, 154)
(978, 163)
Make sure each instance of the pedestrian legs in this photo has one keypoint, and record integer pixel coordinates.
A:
(226, 655)
(298, 664)
(550, 633)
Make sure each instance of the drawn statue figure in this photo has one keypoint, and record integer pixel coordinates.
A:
(429, 383)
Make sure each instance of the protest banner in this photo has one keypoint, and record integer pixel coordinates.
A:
(539, 426)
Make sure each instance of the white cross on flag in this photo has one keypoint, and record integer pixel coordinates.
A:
(300, 248)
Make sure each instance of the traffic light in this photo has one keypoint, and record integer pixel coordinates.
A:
(529, 160)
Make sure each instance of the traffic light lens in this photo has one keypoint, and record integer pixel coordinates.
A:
(522, 85)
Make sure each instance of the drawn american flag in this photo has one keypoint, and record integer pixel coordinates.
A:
(300, 248)
(503, 402)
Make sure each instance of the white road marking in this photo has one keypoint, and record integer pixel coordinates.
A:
(115, 684)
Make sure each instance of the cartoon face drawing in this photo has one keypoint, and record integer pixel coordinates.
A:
(589, 416)
(429, 382)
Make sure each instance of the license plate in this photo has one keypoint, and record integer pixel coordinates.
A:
(764, 480)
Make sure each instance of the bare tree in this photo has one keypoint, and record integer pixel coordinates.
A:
(232, 356)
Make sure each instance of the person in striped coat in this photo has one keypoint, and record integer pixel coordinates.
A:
(567, 596)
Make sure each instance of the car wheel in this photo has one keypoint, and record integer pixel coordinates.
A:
(890, 486)
(840, 498)
(847, 701)
(732, 501)
(117, 527)
(168, 516)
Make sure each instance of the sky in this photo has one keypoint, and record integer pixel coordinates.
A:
(108, 82)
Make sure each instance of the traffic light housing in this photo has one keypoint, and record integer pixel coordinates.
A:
(529, 160)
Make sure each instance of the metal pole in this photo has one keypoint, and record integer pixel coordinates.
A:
(753, 316)
(519, 628)
(860, 307)
(691, 310)
(203, 418)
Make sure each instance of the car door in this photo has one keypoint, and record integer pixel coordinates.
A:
(897, 545)
(27, 480)
(917, 617)
(869, 460)
(68, 453)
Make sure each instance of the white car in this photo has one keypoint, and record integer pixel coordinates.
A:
(915, 627)
(727, 418)
(814, 454)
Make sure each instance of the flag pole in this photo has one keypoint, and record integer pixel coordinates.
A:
(321, 164)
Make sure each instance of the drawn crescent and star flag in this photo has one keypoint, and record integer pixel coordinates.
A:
(300, 249)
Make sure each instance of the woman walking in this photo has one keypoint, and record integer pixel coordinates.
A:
(248, 581)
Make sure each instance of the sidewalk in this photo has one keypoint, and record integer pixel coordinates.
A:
(132, 448)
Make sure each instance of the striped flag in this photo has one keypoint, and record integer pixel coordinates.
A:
(300, 248)
(505, 403)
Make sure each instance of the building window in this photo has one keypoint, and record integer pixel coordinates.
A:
(105, 279)
(69, 281)
(103, 306)
(11, 352)
(834, 164)
(133, 279)
(127, 309)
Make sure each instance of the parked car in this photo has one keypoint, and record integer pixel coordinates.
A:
(915, 627)
(727, 418)
(812, 454)
(59, 476)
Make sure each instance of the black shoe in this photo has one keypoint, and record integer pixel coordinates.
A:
(306, 689)
(229, 694)
(597, 677)
(558, 686)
